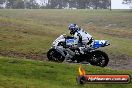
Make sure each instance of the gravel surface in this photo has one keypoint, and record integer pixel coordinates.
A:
(121, 62)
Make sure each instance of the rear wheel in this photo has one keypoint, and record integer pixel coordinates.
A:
(55, 56)
(99, 58)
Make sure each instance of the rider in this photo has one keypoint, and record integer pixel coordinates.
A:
(82, 38)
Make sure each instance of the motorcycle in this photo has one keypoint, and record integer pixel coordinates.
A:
(63, 49)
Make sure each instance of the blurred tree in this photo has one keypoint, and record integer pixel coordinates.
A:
(104, 4)
(21, 4)
(52, 4)
(57, 4)
(81, 4)
(32, 4)
(72, 3)
(129, 2)
(15, 4)
(1, 3)
(10, 3)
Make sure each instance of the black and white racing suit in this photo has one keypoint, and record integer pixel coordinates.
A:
(83, 39)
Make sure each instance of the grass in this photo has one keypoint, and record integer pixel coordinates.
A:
(22, 73)
(34, 30)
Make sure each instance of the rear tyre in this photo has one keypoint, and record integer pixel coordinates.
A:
(99, 58)
(54, 56)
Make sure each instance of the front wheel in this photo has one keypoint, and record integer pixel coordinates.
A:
(99, 58)
(54, 55)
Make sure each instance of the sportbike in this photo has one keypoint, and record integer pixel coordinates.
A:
(62, 50)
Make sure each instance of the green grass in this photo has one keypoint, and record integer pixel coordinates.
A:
(22, 73)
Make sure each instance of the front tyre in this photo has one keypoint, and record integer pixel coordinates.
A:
(99, 58)
(54, 55)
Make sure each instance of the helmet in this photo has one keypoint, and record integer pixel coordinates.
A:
(73, 28)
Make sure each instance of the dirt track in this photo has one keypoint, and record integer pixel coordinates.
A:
(33, 56)
(121, 62)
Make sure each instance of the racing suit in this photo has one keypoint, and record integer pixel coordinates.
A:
(83, 40)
